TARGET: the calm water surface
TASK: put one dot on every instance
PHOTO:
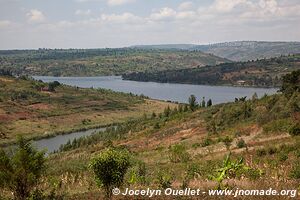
(162, 91)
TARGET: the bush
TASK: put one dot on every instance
(21, 172)
(241, 143)
(178, 153)
(282, 156)
(272, 150)
(206, 142)
(295, 173)
(295, 129)
(261, 152)
(110, 168)
(164, 179)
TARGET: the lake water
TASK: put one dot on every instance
(162, 91)
(52, 144)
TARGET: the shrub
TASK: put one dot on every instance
(295, 173)
(206, 142)
(241, 143)
(110, 168)
(272, 150)
(164, 179)
(178, 153)
(282, 156)
(295, 129)
(21, 172)
(261, 152)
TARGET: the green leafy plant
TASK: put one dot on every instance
(178, 153)
(21, 172)
(110, 168)
(230, 169)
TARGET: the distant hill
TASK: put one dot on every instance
(260, 73)
(239, 50)
(166, 46)
(250, 50)
(97, 62)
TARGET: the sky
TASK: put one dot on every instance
(31, 24)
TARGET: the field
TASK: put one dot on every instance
(28, 108)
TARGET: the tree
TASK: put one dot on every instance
(209, 103)
(203, 104)
(254, 97)
(53, 85)
(21, 172)
(110, 168)
(167, 112)
(192, 102)
(290, 83)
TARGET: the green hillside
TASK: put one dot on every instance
(260, 73)
(35, 109)
(97, 62)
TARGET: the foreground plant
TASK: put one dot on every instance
(230, 169)
(110, 167)
(20, 172)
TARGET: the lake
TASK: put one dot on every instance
(162, 91)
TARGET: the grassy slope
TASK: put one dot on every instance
(101, 61)
(26, 110)
(263, 126)
(266, 72)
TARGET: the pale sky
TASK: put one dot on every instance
(117, 23)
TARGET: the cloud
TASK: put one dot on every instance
(83, 12)
(35, 16)
(163, 14)
(226, 5)
(122, 18)
(118, 2)
(188, 5)
(109, 2)
(4, 23)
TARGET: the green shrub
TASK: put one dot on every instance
(241, 143)
(178, 153)
(110, 168)
(206, 142)
(21, 172)
(295, 173)
(282, 156)
(164, 179)
(261, 152)
(295, 129)
(272, 150)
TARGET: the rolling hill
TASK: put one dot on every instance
(260, 73)
(97, 62)
(239, 50)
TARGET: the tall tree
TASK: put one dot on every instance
(192, 102)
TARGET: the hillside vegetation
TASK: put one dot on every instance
(249, 144)
(96, 62)
(239, 50)
(35, 109)
(259, 73)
